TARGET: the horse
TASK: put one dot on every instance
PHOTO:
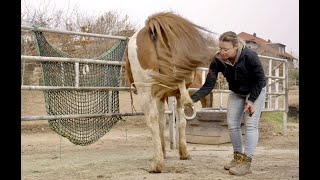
(162, 58)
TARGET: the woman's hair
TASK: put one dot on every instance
(232, 37)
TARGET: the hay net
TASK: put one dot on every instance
(81, 131)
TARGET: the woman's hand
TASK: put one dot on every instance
(249, 107)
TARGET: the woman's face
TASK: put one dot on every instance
(227, 50)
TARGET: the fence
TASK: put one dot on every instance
(277, 83)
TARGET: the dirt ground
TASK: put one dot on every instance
(125, 152)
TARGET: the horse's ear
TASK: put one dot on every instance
(153, 35)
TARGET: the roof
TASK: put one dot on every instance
(277, 43)
(249, 37)
(264, 45)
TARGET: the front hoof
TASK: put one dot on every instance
(189, 111)
(186, 158)
(154, 170)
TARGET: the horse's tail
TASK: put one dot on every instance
(128, 72)
(180, 47)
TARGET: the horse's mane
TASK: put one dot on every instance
(180, 47)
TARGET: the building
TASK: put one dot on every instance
(268, 48)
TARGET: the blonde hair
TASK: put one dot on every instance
(235, 40)
(232, 37)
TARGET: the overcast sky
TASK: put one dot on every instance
(277, 20)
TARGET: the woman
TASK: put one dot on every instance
(244, 73)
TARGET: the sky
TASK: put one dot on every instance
(277, 20)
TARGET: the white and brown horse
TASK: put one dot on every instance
(162, 59)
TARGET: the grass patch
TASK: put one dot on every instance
(273, 121)
(273, 117)
(276, 117)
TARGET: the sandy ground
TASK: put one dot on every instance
(125, 152)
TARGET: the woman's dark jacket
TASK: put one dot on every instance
(245, 77)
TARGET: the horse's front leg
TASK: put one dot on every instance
(150, 108)
(181, 122)
(186, 101)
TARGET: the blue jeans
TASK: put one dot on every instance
(235, 110)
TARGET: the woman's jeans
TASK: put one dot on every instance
(236, 103)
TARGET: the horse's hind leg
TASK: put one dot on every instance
(162, 126)
(150, 108)
(181, 122)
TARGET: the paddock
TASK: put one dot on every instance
(123, 151)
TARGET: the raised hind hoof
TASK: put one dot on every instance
(186, 158)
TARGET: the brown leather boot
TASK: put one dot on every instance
(243, 165)
(233, 161)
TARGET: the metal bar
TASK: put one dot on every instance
(204, 110)
(76, 68)
(227, 91)
(210, 110)
(172, 122)
(62, 74)
(73, 32)
(31, 118)
(273, 58)
(277, 66)
(275, 81)
(273, 110)
(276, 93)
(63, 59)
(67, 88)
(109, 101)
(275, 77)
(285, 99)
(23, 70)
(213, 90)
(277, 89)
(269, 84)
